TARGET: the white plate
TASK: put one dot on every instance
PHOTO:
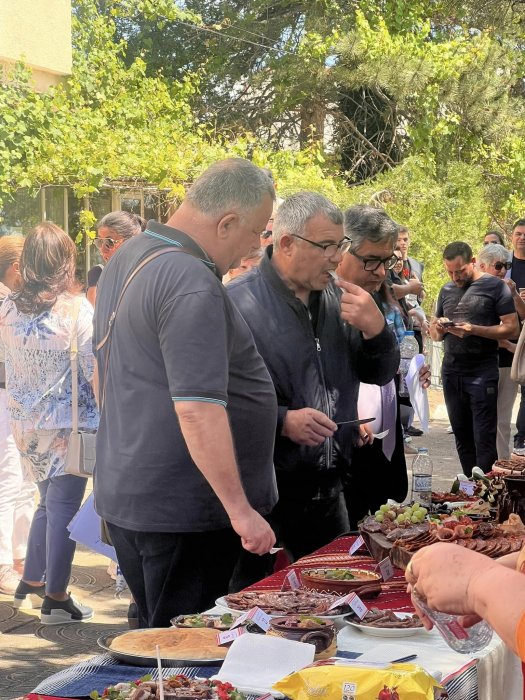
(221, 602)
(386, 631)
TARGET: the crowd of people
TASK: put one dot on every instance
(227, 415)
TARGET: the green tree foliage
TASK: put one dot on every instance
(423, 101)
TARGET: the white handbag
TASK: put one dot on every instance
(81, 451)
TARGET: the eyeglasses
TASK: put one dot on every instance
(500, 265)
(329, 249)
(105, 243)
(373, 264)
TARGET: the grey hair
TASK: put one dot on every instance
(123, 223)
(364, 223)
(297, 210)
(493, 252)
(233, 183)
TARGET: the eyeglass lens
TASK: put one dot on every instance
(104, 242)
(373, 265)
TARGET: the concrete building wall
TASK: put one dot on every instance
(39, 33)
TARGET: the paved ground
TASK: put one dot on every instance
(29, 652)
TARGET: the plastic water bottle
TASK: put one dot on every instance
(408, 349)
(422, 470)
(464, 640)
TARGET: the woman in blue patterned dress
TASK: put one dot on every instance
(37, 324)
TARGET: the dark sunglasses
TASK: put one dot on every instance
(500, 265)
(104, 243)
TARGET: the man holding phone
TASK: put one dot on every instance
(474, 311)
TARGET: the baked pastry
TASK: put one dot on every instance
(199, 643)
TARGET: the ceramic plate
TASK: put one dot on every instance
(221, 602)
(150, 661)
(385, 631)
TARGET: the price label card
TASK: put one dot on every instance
(229, 635)
(291, 581)
(256, 615)
(358, 606)
(260, 618)
(355, 603)
(359, 542)
(386, 569)
(467, 487)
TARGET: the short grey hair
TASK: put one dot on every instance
(363, 223)
(233, 183)
(124, 223)
(493, 252)
(294, 213)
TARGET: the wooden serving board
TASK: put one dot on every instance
(378, 545)
(400, 557)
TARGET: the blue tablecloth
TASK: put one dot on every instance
(101, 671)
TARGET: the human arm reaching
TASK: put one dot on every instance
(459, 581)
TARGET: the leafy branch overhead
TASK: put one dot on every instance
(415, 105)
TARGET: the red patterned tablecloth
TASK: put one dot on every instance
(336, 553)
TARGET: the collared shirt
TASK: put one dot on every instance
(176, 337)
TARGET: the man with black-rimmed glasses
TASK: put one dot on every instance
(319, 339)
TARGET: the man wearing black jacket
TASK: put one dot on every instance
(319, 339)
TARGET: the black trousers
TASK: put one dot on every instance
(472, 410)
(301, 524)
(373, 479)
(171, 573)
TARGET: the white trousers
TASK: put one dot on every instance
(507, 391)
(17, 497)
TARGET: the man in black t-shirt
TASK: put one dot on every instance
(184, 469)
(517, 275)
(474, 311)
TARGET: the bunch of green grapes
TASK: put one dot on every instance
(401, 515)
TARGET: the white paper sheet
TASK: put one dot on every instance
(418, 395)
(369, 404)
(255, 662)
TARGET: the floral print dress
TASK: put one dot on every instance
(36, 352)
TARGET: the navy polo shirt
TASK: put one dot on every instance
(177, 337)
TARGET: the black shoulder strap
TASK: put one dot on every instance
(111, 321)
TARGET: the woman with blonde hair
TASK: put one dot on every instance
(37, 325)
(16, 494)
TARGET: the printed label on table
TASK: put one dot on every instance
(356, 545)
(358, 606)
(229, 635)
(386, 569)
(457, 630)
(256, 615)
(355, 603)
(291, 581)
(467, 487)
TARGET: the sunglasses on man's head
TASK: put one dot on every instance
(500, 265)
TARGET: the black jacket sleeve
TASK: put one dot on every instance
(378, 358)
